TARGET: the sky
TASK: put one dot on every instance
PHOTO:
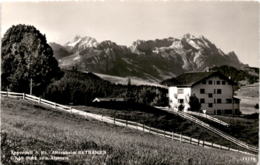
(232, 26)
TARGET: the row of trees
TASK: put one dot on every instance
(82, 88)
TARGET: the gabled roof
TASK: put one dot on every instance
(191, 78)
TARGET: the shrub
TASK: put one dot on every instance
(194, 103)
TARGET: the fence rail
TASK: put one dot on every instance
(208, 117)
(124, 123)
(212, 129)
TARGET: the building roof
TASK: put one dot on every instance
(191, 78)
(107, 99)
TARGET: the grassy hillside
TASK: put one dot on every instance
(156, 118)
(124, 80)
(249, 97)
(246, 76)
(243, 128)
(32, 127)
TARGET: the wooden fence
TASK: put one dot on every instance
(212, 129)
(123, 123)
(209, 118)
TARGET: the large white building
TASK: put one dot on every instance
(214, 91)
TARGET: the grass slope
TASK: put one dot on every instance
(240, 127)
(124, 80)
(32, 127)
(156, 118)
(249, 97)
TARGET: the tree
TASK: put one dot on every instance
(194, 103)
(257, 106)
(181, 107)
(26, 55)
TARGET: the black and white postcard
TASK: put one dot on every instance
(121, 82)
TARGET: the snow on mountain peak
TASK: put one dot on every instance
(82, 42)
(188, 36)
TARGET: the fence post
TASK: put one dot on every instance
(190, 140)
(7, 93)
(23, 96)
(114, 121)
(39, 100)
(70, 110)
(55, 106)
(126, 123)
(203, 143)
(180, 138)
(172, 135)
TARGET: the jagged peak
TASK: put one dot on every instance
(188, 36)
(232, 53)
(85, 41)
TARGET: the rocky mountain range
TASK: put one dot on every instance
(152, 60)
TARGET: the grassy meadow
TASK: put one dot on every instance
(159, 119)
(29, 126)
(249, 97)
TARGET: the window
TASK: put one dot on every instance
(202, 91)
(210, 95)
(223, 82)
(228, 101)
(229, 83)
(203, 82)
(219, 101)
(210, 81)
(202, 101)
(214, 91)
(218, 82)
(210, 105)
(237, 111)
(219, 91)
(180, 100)
(180, 91)
(228, 111)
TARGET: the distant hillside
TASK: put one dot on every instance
(248, 75)
(242, 77)
(59, 51)
(80, 88)
(249, 97)
(126, 80)
(153, 60)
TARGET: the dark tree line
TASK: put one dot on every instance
(82, 88)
